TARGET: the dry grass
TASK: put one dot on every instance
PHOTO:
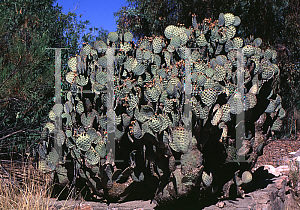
(23, 187)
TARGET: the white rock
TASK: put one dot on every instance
(296, 154)
(280, 170)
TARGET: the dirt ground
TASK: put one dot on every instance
(259, 196)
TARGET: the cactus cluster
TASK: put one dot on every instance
(151, 86)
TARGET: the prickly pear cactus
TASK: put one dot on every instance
(233, 110)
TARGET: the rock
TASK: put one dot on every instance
(220, 204)
(83, 206)
(276, 202)
(296, 154)
(281, 182)
(271, 196)
(280, 170)
(87, 205)
(290, 202)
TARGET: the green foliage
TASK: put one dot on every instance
(151, 17)
(27, 28)
(24, 36)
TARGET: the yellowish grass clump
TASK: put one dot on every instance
(23, 187)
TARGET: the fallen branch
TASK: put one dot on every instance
(11, 134)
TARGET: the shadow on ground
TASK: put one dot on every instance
(261, 179)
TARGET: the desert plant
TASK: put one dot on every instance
(293, 177)
(223, 81)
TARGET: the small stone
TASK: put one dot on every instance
(82, 206)
(220, 204)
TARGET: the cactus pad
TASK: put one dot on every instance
(207, 179)
(180, 140)
(83, 142)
